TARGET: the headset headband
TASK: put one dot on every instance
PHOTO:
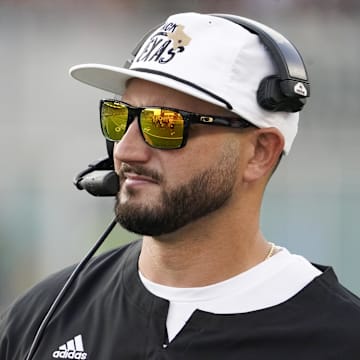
(288, 90)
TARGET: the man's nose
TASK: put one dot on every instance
(132, 147)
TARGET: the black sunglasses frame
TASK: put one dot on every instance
(188, 117)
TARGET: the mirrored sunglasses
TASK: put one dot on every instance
(160, 127)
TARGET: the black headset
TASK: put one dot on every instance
(285, 91)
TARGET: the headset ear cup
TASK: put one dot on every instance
(269, 94)
(271, 97)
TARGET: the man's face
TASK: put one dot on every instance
(162, 191)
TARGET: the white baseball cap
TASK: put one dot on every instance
(207, 57)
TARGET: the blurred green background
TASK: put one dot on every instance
(50, 130)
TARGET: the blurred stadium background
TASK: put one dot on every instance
(49, 130)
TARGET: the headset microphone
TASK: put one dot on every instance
(99, 178)
(99, 183)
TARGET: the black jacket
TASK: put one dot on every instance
(108, 314)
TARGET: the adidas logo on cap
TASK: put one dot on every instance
(73, 349)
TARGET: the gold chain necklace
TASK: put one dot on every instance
(271, 251)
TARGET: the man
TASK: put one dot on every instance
(194, 151)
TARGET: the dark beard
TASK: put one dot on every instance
(178, 207)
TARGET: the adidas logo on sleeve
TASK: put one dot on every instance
(73, 349)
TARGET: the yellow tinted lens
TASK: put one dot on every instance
(113, 120)
(162, 128)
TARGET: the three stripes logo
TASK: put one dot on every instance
(73, 349)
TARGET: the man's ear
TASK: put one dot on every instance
(267, 146)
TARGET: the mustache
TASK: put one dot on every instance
(139, 170)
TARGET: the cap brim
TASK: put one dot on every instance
(113, 79)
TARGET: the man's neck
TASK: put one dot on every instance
(203, 253)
